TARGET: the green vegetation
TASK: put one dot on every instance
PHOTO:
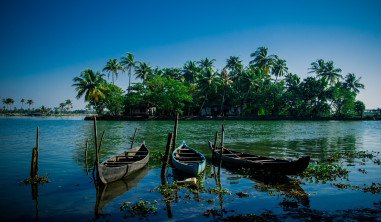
(264, 87)
(141, 208)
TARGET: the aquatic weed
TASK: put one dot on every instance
(324, 172)
(36, 180)
(141, 208)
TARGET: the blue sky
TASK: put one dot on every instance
(44, 44)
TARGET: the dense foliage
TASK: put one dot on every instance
(263, 87)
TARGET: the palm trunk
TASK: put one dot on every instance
(222, 103)
(129, 81)
(202, 105)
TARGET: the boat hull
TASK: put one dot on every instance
(264, 164)
(180, 162)
(112, 169)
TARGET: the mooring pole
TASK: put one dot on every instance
(214, 145)
(96, 141)
(164, 172)
(175, 131)
(34, 162)
(221, 149)
(86, 151)
(166, 159)
(133, 138)
(96, 161)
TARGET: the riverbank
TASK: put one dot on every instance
(258, 118)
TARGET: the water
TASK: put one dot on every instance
(71, 194)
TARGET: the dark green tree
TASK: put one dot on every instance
(359, 108)
(115, 100)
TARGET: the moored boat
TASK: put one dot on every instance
(188, 160)
(260, 163)
(123, 164)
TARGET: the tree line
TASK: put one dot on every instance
(263, 87)
(63, 108)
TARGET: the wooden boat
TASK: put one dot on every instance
(259, 163)
(123, 164)
(188, 160)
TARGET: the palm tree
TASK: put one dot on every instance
(317, 67)
(234, 64)
(262, 60)
(30, 103)
(326, 71)
(251, 79)
(143, 71)
(68, 105)
(331, 73)
(226, 82)
(8, 102)
(113, 67)
(206, 81)
(128, 62)
(279, 67)
(92, 86)
(22, 103)
(174, 73)
(62, 107)
(191, 71)
(352, 83)
(206, 63)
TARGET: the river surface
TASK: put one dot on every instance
(71, 194)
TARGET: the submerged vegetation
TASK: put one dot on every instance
(264, 87)
(36, 180)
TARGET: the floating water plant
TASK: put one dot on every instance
(325, 172)
(141, 208)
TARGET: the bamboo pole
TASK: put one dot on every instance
(221, 149)
(164, 172)
(166, 159)
(175, 131)
(86, 150)
(96, 141)
(214, 145)
(96, 161)
(86, 155)
(100, 143)
(133, 138)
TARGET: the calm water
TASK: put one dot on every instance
(71, 194)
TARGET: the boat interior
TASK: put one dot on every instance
(127, 157)
(186, 155)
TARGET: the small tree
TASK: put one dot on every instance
(115, 100)
(359, 108)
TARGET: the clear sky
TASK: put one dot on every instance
(44, 44)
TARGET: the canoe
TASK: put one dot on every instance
(188, 160)
(123, 164)
(259, 163)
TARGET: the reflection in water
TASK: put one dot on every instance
(275, 139)
(107, 192)
(293, 193)
(35, 197)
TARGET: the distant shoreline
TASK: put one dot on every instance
(254, 118)
(150, 118)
